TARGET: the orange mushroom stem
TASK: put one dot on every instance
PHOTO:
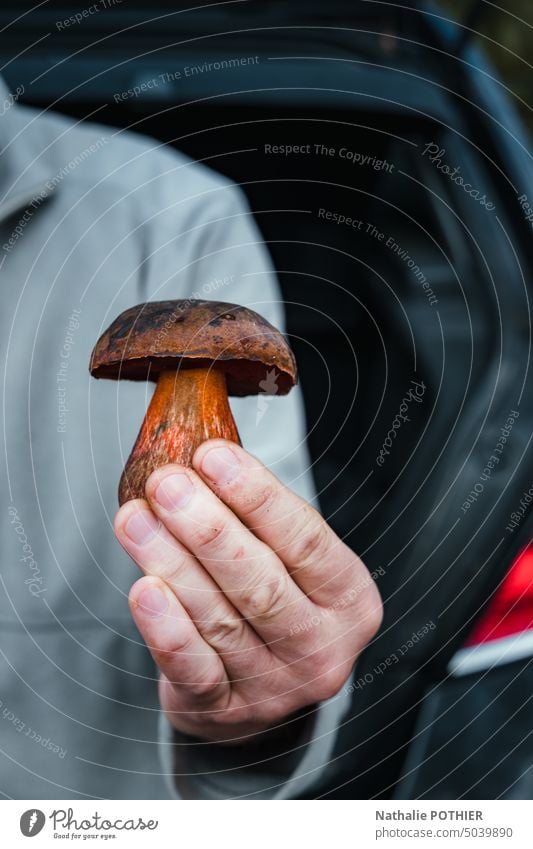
(188, 406)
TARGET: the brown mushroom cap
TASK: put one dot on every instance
(164, 335)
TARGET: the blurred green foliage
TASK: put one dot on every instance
(505, 31)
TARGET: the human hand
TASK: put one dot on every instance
(250, 605)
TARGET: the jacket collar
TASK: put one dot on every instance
(25, 172)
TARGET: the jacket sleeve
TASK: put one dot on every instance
(282, 765)
(218, 254)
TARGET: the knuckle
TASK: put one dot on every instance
(223, 632)
(205, 688)
(264, 600)
(331, 682)
(181, 645)
(210, 537)
(175, 570)
(258, 502)
(311, 541)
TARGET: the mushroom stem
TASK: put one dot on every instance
(187, 407)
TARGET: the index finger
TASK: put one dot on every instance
(318, 561)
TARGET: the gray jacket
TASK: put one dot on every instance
(93, 221)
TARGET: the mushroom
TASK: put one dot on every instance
(199, 352)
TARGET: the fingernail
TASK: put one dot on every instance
(141, 527)
(152, 602)
(221, 465)
(174, 492)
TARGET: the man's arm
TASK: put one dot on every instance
(261, 642)
(251, 606)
